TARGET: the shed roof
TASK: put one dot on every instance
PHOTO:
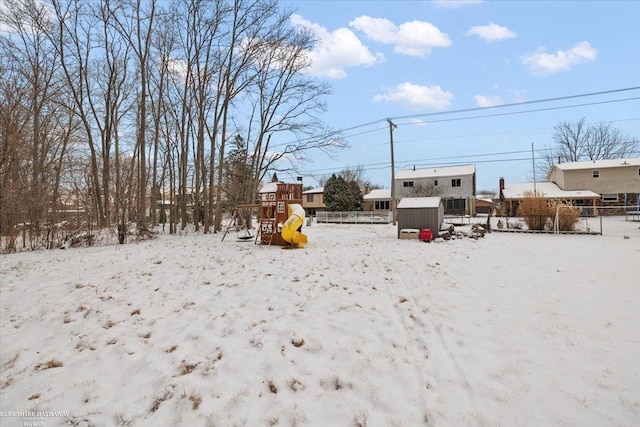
(548, 190)
(378, 194)
(436, 172)
(419, 202)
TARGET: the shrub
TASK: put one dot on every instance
(535, 210)
(568, 216)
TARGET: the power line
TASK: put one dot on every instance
(442, 138)
(381, 165)
(443, 161)
(528, 111)
(517, 104)
(400, 141)
(384, 165)
(338, 132)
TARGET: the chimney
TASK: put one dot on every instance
(501, 184)
(414, 167)
(559, 160)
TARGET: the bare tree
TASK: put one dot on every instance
(104, 98)
(236, 53)
(285, 101)
(134, 20)
(425, 190)
(12, 155)
(356, 174)
(578, 141)
(609, 142)
(163, 44)
(203, 25)
(70, 29)
(33, 116)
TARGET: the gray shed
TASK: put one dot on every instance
(419, 213)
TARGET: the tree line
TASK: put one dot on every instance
(111, 108)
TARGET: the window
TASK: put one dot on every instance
(455, 206)
(638, 171)
(309, 198)
(407, 184)
(596, 174)
(455, 182)
(609, 197)
(435, 183)
(382, 205)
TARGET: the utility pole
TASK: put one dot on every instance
(533, 160)
(393, 173)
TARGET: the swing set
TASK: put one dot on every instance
(238, 223)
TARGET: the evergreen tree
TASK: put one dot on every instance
(340, 195)
(238, 174)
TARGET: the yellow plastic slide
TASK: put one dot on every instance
(290, 227)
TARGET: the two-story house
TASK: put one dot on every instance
(312, 201)
(617, 180)
(456, 185)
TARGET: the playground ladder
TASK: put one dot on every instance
(267, 224)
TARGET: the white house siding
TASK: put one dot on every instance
(444, 177)
(444, 186)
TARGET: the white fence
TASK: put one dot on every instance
(355, 217)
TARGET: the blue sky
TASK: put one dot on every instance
(418, 62)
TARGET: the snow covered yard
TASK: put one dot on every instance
(357, 329)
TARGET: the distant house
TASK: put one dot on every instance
(377, 200)
(617, 181)
(312, 201)
(485, 206)
(511, 194)
(456, 185)
(419, 213)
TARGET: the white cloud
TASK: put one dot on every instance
(416, 96)
(177, 67)
(488, 101)
(541, 63)
(415, 38)
(15, 25)
(454, 4)
(4, 9)
(418, 122)
(335, 50)
(492, 32)
(519, 95)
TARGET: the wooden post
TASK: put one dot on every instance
(393, 174)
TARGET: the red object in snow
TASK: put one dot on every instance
(426, 235)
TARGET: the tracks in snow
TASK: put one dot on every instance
(427, 342)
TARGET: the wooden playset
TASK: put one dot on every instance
(275, 198)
